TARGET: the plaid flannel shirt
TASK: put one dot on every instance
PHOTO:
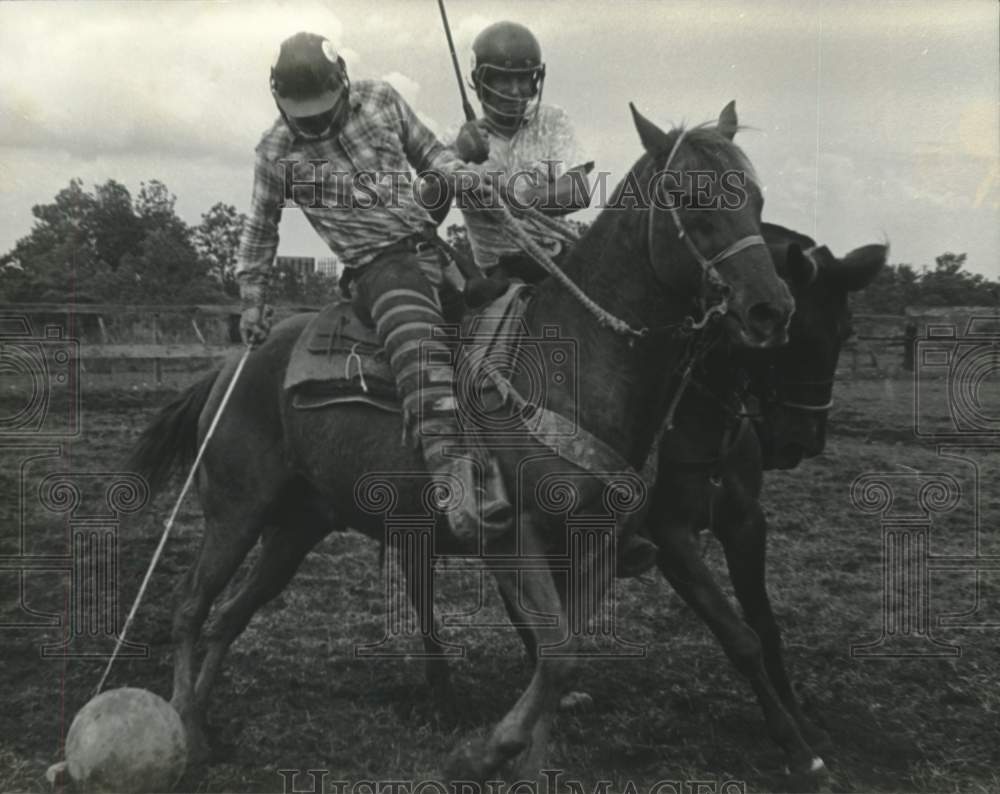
(356, 216)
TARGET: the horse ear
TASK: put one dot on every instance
(793, 265)
(728, 123)
(860, 267)
(654, 140)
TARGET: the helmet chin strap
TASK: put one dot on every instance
(500, 121)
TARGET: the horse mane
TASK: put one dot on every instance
(714, 146)
(703, 139)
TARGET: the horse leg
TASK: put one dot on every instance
(681, 563)
(523, 630)
(418, 570)
(528, 718)
(224, 546)
(745, 545)
(283, 551)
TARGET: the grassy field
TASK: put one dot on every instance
(293, 695)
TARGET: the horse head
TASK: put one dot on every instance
(795, 383)
(704, 210)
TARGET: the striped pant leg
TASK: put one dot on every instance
(404, 306)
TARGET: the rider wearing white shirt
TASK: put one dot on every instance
(525, 137)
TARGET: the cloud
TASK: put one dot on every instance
(120, 78)
(390, 31)
(409, 89)
(406, 86)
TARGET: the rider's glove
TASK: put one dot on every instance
(257, 316)
(471, 143)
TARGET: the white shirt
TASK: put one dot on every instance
(549, 137)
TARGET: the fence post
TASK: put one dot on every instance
(157, 370)
(909, 339)
(104, 341)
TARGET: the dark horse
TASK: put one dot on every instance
(710, 467)
(291, 477)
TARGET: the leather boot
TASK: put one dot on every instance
(484, 511)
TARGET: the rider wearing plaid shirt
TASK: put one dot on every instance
(342, 154)
(382, 137)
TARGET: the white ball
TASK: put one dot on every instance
(126, 740)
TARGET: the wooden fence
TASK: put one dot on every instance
(110, 333)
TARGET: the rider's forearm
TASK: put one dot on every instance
(560, 197)
(253, 273)
(259, 240)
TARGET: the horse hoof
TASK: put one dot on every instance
(199, 749)
(511, 747)
(58, 775)
(808, 778)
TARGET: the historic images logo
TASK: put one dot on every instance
(40, 409)
(314, 184)
(316, 781)
(964, 369)
(504, 385)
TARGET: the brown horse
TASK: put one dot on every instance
(292, 476)
(710, 468)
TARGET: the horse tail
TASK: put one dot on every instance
(171, 441)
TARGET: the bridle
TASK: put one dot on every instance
(807, 407)
(710, 274)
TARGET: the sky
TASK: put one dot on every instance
(866, 121)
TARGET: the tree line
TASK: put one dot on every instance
(107, 246)
(946, 284)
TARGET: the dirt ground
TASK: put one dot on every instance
(294, 696)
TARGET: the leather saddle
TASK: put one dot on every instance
(338, 359)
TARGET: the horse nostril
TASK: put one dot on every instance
(766, 319)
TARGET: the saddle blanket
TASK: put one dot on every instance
(338, 359)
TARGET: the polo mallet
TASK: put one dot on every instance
(470, 114)
(168, 525)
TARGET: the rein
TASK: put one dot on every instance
(606, 319)
(808, 407)
(733, 431)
